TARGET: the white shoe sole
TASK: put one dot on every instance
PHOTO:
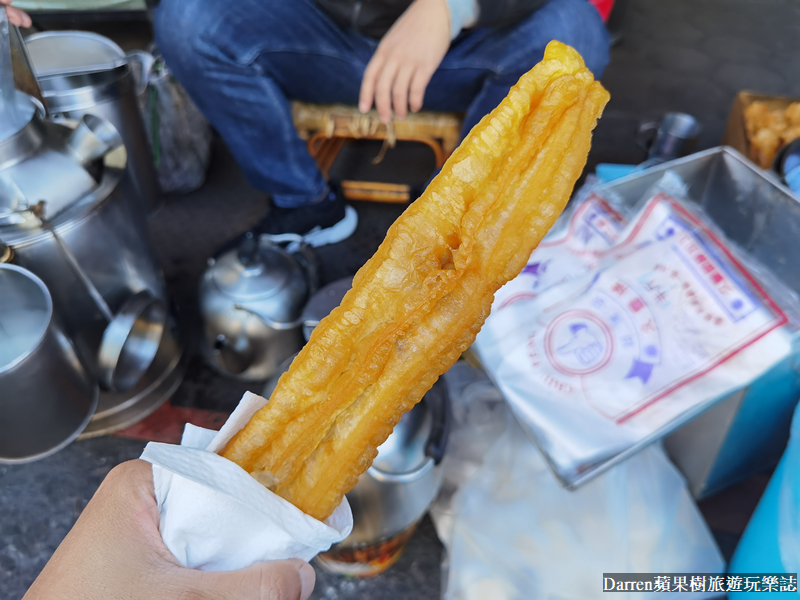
(322, 237)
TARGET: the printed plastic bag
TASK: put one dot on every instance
(517, 534)
(667, 322)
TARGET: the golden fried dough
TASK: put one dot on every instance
(770, 129)
(792, 114)
(419, 302)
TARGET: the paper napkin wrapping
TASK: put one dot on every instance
(216, 517)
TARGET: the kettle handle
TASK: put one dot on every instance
(438, 399)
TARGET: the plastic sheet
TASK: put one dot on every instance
(512, 532)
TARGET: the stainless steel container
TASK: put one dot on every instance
(746, 432)
(89, 221)
(46, 397)
(85, 73)
(394, 494)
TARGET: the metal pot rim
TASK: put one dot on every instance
(35, 279)
(112, 85)
(405, 477)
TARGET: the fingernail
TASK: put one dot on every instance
(307, 579)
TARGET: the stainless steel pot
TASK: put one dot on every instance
(46, 397)
(90, 246)
(393, 495)
(85, 242)
(251, 299)
(84, 73)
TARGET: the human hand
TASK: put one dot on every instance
(16, 16)
(406, 59)
(115, 551)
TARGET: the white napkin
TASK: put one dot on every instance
(216, 517)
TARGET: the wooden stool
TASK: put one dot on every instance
(326, 127)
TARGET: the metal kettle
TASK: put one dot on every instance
(251, 299)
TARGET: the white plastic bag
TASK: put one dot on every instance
(518, 535)
(667, 323)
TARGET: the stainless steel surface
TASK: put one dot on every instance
(92, 139)
(404, 479)
(399, 487)
(59, 53)
(46, 397)
(36, 149)
(102, 233)
(754, 211)
(116, 411)
(131, 337)
(323, 302)
(11, 117)
(96, 80)
(251, 300)
(24, 77)
(131, 341)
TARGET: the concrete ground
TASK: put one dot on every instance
(682, 55)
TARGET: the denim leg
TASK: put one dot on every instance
(241, 62)
(483, 64)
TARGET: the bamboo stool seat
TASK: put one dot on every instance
(326, 127)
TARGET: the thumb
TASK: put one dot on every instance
(274, 580)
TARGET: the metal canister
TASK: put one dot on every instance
(46, 397)
(395, 493)
(85, 73)
(77, 230)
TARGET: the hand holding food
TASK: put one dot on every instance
(421, 300)
(115, 551)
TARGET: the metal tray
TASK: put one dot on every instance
(751, 207)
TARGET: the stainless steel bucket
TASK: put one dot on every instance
(395, 493)
(46, 397)
(107, 237)
(85, 73)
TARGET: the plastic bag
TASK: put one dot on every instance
(664, 324)
(517, 534)
(479, 417)
(180, 136)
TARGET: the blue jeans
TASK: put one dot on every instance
(242, 61)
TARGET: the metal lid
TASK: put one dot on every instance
(61, 53)
(265, 275)
(323, 302)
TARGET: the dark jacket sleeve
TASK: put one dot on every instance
(499, 13)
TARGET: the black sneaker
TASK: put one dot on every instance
(327, 222)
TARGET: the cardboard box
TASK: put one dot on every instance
(735, 132)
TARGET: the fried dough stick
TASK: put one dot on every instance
(420, 301)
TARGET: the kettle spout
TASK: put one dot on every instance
(93, 138)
